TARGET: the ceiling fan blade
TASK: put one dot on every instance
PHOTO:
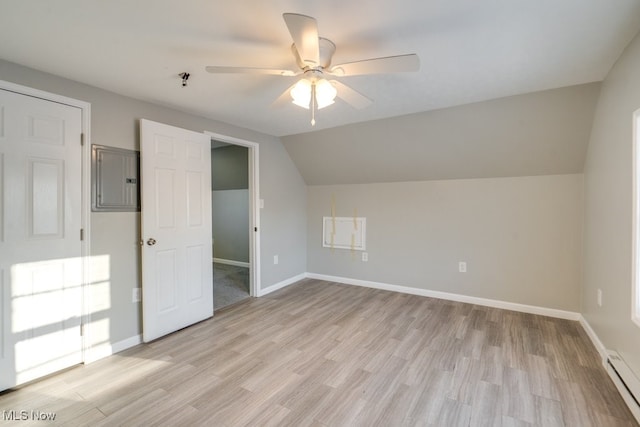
(304, 32)
(250, 70)
(351, 96)
(389, 64)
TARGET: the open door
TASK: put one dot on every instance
(177, 283)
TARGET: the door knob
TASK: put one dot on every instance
(151, 241)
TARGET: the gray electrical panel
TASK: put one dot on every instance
(115, 178)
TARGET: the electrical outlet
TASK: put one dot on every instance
(365, 257)
(136, 295)
(275, 259)
(599, 297)
(462, 267)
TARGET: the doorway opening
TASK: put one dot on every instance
(230, 223)
(234, 201)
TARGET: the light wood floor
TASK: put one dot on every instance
(323, 354)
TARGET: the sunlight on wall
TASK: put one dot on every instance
(98, 301)
(99, 298)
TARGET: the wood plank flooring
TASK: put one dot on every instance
(324, 354)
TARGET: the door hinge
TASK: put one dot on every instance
(255, 229)
(81, 329)
(82, 139)
(82, 234)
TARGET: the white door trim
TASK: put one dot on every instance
(254, 205)
(85, 107)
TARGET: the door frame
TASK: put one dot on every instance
(254, 206)
(85, 214)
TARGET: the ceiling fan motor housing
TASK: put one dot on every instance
(327, 49)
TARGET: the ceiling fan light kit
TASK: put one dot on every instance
(303, 91)
(313, 94)
(325, 93)
(313, 56)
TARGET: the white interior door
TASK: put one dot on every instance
(177, 278)
(40, 247)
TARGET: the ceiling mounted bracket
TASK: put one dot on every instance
(185, 76)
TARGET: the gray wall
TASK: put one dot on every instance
(230, 202)
(230, 168)
(230, 212)
(285, 212)
(541, 133)
(115, 122)
(521, 237)
(608, 210)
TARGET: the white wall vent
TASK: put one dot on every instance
(625, 380)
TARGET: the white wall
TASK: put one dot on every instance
(521, 237)
(115, 122)
(608, 209)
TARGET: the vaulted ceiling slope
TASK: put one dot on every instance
(542, 133)
(470, 50)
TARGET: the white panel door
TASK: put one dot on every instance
(177, 277)
(40, 248)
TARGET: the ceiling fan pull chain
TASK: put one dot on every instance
(313, 104)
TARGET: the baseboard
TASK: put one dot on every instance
(619, 372)
(543, 311)
(594, 339)
(232, 262)
(282, 284)
(105, 350)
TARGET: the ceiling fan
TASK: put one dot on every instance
(313, 56)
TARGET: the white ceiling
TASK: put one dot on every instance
(470, 50)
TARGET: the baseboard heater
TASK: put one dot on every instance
(625, 380)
